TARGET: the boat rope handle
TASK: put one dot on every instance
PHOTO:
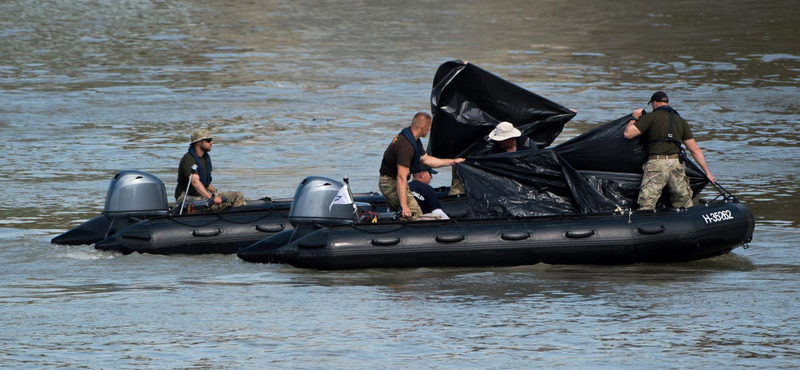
(271, 229)
(385, 242)
(214, 232)
(723, 192)
(110, 226)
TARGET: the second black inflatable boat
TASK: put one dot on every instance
(136, 218)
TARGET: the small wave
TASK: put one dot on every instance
(167, 37)
(768, 58)
(87, 255)
(93, 39)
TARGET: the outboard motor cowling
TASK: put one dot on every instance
(132, 197)
(135, 194)
(312, 209)
(312, 203)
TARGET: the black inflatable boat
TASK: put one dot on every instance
(134, 197)
(137, 218)
(567, 205)
(670, 236)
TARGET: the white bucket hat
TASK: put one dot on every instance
(504, 131)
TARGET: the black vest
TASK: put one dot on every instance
(417, 143)
(203, 171)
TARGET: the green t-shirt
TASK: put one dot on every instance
(655, 125)
(184, 170)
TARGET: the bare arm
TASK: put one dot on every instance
(631, 131)
(434, 162)
(691, 144)
(198, 186)
(402, 188)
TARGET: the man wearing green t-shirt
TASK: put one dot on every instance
(665, 131)
(200, 179)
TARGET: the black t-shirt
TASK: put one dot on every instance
(655, 125)
(425, 196)
(184, 170)
(400, 151)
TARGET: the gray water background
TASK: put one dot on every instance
(295, 88)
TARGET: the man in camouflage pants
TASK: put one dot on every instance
(665, 131)
(200, 180)
(402, 157)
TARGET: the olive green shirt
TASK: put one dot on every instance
(655, 125)
(184, 171)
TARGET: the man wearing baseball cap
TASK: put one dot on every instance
(424, 194)
(665, 131)
(201, 187)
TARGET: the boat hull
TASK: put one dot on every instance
(202, 234)
(642, 237)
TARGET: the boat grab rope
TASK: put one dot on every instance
(364, 230)
(410, 224)
(221, 217)
(724, 193)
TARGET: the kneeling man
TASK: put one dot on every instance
(425, 195)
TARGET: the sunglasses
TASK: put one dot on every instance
(209, 140)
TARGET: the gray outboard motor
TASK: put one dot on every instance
(135, 194)
(311, 210)
(132, 196)
(312, 203)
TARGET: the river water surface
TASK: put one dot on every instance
(296, 88)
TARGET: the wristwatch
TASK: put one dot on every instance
(212, 196)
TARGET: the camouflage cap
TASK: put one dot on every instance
(200, 134)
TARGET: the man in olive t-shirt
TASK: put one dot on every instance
(664, 167)
(402, 155)
(201, 187)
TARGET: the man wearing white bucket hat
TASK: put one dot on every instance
(507, 139)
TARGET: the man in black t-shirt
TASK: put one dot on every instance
(404, 154)
(425, 195)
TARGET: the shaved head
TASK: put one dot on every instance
(420, 119)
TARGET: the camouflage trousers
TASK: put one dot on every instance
(665, 172)
(456, 187)
(388, 187)
(235, 199)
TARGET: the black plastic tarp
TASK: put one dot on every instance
(598, 171)
(529, 183)
(467, 102)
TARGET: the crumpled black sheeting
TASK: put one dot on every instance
(467, 102)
